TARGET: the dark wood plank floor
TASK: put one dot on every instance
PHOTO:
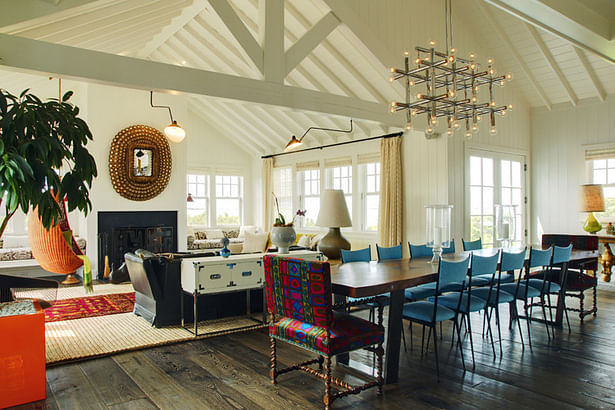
(574, 370)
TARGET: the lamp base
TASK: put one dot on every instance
(332, 244)
(592, 225)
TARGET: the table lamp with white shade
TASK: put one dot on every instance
(334, 215)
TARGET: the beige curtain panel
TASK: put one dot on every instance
(390, 222)
(267, 178)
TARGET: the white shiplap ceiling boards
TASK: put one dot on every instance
(329, 65)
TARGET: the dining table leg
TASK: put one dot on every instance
(393, 338)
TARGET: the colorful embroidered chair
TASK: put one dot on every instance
(301, 313)
(50, 247)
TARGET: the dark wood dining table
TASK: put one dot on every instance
(363, 279)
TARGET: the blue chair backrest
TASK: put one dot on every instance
(472, 245)
(452, 272)
(539, 257)
(512, 261)
(561, 254)
(419, 251)
(450, 249)
(362, 255)
(484, 265)
(388, 253)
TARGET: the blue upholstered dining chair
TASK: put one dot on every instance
(472, 245)
(522, 290)
(429, 313)
(450, 249)
(464, 302)
(385, 254)
(361, 255)
(299, 303)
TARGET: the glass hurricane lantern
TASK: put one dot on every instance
(438, 229)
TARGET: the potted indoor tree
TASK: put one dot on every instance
(283, 233)
(43, 157)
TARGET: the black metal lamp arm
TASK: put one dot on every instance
(151, 102)
(326, 129)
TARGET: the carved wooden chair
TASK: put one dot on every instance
(301, 313)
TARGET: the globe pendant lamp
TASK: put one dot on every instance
(173, 131)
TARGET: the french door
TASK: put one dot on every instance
(494, 178)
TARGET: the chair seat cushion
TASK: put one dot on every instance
(450, 300)
(483, 293)
(512, 288)
(549, 287)
(480, 280)
(420, 292)
(423, 311)
(348, 333)
(506, 278)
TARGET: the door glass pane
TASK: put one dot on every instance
(487, 171)
(516, 174)
(505, 173)
(475, 170)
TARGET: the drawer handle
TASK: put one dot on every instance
(231, 265)
(248, 273)
(231, 284)
(260, 263)
(215, 276)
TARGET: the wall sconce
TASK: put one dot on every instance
(295, 143)
(173, 132)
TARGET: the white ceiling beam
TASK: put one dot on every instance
(546, 53)
(596, 83)
(511, 47)
(186, 16)
(71, 62)
(567, 19)
(273, 40)
(310, 40)
(240, 32)
(16, 12)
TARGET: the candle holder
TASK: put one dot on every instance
(505, 217)
(438, 229)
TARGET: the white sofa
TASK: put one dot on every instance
(203, 237)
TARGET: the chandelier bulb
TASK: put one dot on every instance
(473, 66)
(413, 112)
(492, 103)
(476, 88)
(392, 109)
(408, 125)
(493, 131)
(473, 98)
(451, 93)
(392, 69)
(455, 124)
(472, 55)
(434, 121)
(411, 83)
(417, 61)
(429, 131)
(449, 132)
(432, 43)
(510, 106)
(474, 128)
(502, 83)
(451, 58)
(503, 113)
(406, 53)
(391, 79)
(468, 135)
(479, 118)
(490, 60)
(491, 71)
(509, 76)
(453, 49)
(427, 58)
(419, 96)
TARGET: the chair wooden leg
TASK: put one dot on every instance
(379, 354)
(273, 360)
(595, 304)
(327, 398)
(581, 306)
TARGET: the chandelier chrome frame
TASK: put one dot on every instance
(452, 86)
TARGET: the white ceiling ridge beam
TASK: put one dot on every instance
(214, 122)
(187, 14)
(272, 31)
(233, 128)
(504, 37)
(72, 62)
(596, 83)
(574, 100)
(239, 30)
(557, 18)
(310, 40)
(370, 45)
(20, 15)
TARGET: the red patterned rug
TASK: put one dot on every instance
(90, 306)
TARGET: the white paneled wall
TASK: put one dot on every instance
(559, 139)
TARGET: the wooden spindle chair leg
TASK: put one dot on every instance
(327, 398)
(273, 360)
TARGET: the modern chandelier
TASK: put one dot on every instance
(451, 87)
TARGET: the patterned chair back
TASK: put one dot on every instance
(385, 254)
(579, 242)
(299, 289)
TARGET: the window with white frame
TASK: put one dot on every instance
(340, 177)
(603, 172)
(229, 197)
(198, 191)
(308, 184)
(283, 190)
(370, 195)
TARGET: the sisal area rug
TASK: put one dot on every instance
(90, 306)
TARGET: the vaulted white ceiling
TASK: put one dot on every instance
(328, 47)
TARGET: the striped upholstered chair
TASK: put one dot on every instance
(301, 313)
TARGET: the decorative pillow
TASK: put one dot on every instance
(214, 234)
(200, 235)
(233, 233)
(305, 241)
(255, 243)
(247, 228)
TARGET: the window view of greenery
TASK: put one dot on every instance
(229, 192)
(311, 196)
(604, 173)
(372, 195)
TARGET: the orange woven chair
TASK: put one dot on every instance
(51, 250)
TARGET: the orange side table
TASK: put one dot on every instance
(22, 358)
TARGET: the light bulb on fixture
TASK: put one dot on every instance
(493, 131)
(173, 131)
(455, 124)
(429, 131)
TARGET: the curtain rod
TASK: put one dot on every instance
(397, 134)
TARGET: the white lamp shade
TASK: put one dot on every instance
(333, 210)
(174, 132)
